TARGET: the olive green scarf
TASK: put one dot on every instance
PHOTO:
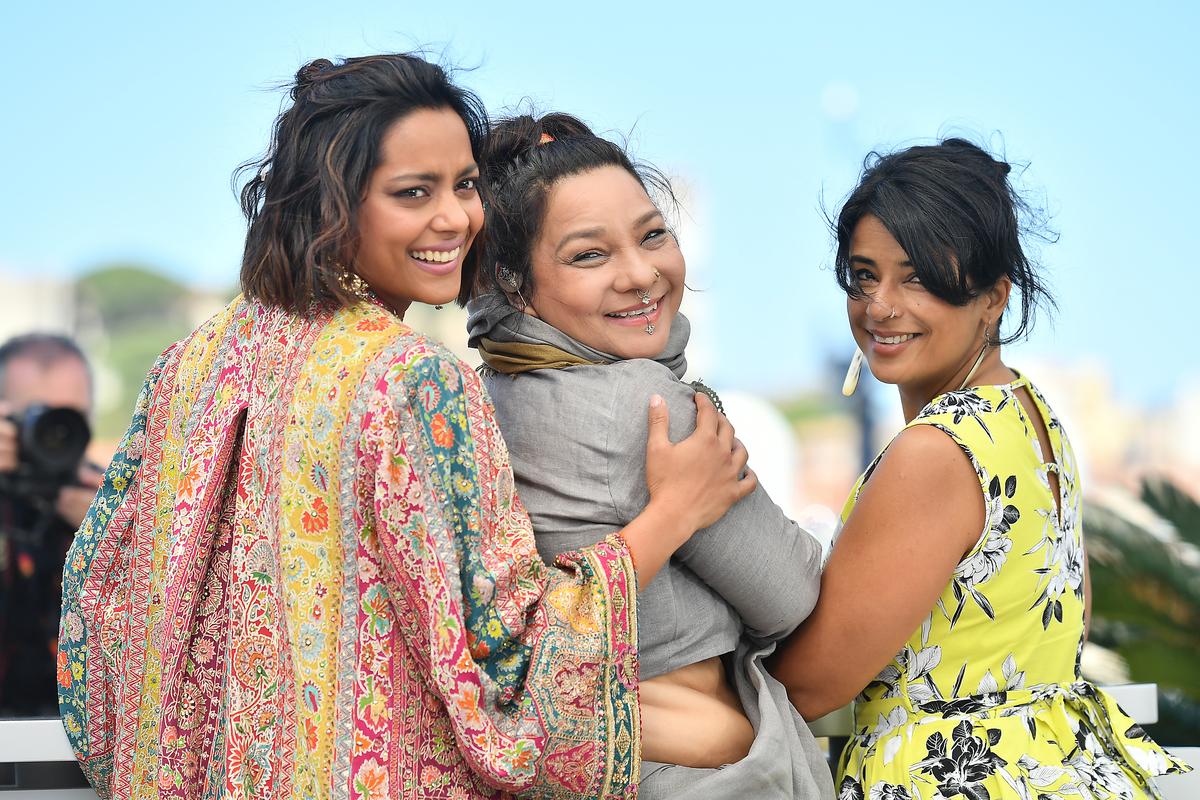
(512, 358)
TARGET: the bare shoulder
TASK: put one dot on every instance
(925, 453)
(924, 484)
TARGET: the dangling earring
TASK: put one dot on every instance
(987, 342)
(352, 284)
(851, 382)
(510, 282)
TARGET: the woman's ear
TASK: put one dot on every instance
(996, 298)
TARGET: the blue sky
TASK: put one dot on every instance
(124, 121)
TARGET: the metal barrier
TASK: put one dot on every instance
(43, 765)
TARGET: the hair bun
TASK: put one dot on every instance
(308, 74)
(563, 126)
(1002, 167)
(515, 138)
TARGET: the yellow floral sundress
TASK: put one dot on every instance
(985, 700)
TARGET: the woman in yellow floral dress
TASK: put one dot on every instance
(957, 591)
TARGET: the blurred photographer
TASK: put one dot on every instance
(46, 486)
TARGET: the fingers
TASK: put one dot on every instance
(741, 456)
(725, 432)
(706, 415)
(659, 420)
(747, 484)
(8, 445)
(90, 475)
(73, 503)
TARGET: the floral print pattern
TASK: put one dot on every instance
(985, 700)
(307, 575)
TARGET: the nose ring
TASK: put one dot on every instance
(893, 314)
(644, 296)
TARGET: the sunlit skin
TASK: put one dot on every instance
(601, 241)
(922, 506)
(422, 199)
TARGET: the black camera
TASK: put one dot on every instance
(50, 447)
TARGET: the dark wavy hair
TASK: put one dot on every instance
(952, 209)
(303, 196)
(523, 158)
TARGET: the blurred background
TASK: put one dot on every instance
(123, 123)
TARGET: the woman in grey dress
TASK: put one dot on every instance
(576, 317)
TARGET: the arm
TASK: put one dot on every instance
(691, 485)
(502, 639)
(921, 510)
(761, 563)
(94, 595)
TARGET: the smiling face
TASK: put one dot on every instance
(602, 244)
(910, 337)
(421, 211)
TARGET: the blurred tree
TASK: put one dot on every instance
(128, 314)
(1144, 558)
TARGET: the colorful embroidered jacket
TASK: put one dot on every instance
(307, 575)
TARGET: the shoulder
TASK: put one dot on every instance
(926, 457)
(413, 365)
(925, 480)
(633, 382)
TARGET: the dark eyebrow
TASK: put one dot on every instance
(586, 233)
(870, 263)
(644, 218)
(430, 177)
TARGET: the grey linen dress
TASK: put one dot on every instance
(577, 441)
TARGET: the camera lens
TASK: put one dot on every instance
(54, 439)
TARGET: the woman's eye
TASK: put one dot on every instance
(863, 276)
(656, 235)
(914, 279)
(468, 185)
(587, 255)
(409, 194)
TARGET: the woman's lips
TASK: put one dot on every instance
(891, 344)
(437, 261)
(638, 317)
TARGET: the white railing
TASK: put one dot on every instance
(30, 741)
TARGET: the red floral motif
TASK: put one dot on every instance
(317, 519)
(442, 435)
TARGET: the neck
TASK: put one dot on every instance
(991, 370)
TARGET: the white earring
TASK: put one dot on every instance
(851, 381)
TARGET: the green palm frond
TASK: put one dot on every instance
(1145, 572)
(1175, 506)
